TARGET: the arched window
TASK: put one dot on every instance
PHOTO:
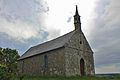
(45, 61)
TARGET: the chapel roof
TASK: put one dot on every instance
(47, 46)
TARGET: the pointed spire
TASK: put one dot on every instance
(77, 21)
(76, 13)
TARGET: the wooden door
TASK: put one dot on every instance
(82, 65)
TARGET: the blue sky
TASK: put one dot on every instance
(25, 23)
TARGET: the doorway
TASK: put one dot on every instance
(82, 67)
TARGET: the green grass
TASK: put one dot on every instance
(66, 78)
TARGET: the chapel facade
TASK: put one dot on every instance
(67, 55)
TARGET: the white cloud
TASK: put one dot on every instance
(29, 14)
(53, 33)
(22, 19)
(61, 10)
(18, 30)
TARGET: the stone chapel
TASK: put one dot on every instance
(67, 55)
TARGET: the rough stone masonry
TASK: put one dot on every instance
(67, 55)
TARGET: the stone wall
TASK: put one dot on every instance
(35, 65)
(62, 61)
(78, 48)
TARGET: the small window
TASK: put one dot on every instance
(80, 42)
(45, 61)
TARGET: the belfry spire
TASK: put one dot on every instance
(77, 21)
(76, 13)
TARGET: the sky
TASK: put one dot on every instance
(25, 23)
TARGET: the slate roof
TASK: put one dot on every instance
(47, 46)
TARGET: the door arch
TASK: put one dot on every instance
(82, 67)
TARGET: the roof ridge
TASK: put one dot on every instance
(53, 39)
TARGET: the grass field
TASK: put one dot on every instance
(68, 78)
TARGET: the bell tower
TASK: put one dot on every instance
(77, 22)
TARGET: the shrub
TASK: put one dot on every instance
(3, 74)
